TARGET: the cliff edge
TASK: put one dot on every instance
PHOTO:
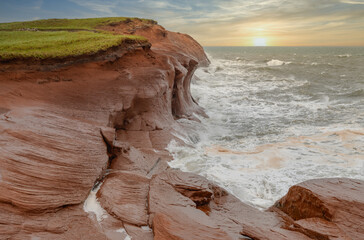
(82, 154)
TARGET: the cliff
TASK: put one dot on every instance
(82, 154)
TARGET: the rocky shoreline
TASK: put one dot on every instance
(104, 125)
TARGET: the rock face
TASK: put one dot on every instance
(47, 160)
(124, 195)
(103, 125)
(326, 208)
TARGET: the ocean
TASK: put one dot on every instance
(277, 116)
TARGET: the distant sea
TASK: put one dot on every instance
(277, 116)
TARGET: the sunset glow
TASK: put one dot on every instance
(260, 42)
(220, 23)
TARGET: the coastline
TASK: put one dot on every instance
(70, 128)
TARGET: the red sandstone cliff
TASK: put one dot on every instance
(107, 121)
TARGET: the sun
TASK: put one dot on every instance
(260, 42)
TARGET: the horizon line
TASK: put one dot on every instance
(287, 46)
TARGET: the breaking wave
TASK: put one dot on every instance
(270, 128)
(275, 62)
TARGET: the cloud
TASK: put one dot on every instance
(217, 22)
(352, 2)
(103, 7)
(166, 5)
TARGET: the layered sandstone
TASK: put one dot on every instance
(103, 124)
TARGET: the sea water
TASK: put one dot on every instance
(277, 116)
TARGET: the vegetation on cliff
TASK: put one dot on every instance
(69, 24)
(42, 45)
(60, 38)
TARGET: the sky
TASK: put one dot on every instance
(219, 22)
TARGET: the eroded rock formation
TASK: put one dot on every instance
(326, 208)
(103, 126)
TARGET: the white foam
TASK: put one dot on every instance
(344, 55)
(146, 228)
(275, 62)
(252, 145)
(314, 106)
(262, 175)
(122, 230)
(92, 205)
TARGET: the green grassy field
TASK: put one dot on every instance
(67, 24)
(60, 44)
(18, 40)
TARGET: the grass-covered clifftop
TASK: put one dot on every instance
(60, 38)
(69, 24)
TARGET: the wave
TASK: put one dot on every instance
(272, 125)
(275, 62)
(219, 68)
(261, 174)
(356, 93)
(344, 55)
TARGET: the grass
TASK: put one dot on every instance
(59, 44)
(68, 24)
(59, 38)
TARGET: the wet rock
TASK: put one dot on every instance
(188, 203)
(317, 228)
(241, 220)
(163, 195)
(124, 195)
(68, 223)
(330, 208)
(108, 135)
(57, 139)
(139, 233)
(190, 185)
(185, 224)
(48, 160)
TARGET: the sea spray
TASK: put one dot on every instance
(271, 127)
